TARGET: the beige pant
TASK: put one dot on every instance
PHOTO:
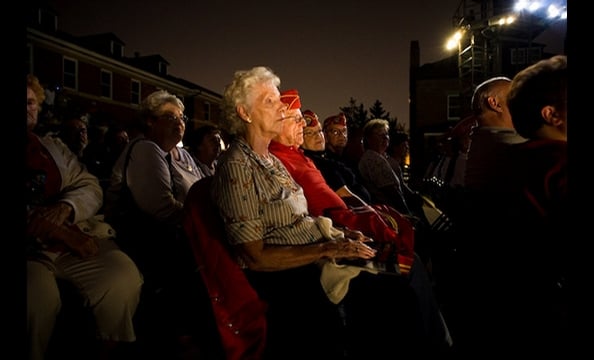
(110, 284)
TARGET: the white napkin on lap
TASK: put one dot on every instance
(335, 278)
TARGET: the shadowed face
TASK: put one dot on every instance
(210, 148)
(75, 135)
(379, 139)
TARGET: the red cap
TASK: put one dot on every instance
(311, 118)
(291, 98)
(339, 119)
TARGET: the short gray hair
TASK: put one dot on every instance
(152, 103)
(237, 93)
(370, 126)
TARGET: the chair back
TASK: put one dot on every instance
(239, 312)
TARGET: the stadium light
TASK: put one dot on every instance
(549, 9)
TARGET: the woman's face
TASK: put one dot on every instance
(313, 138)
(266, 111)
(169, 125)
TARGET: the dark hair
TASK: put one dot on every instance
(537, 86)
(196, 136)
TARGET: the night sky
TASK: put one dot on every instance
(330, 53)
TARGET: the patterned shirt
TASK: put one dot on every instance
(259, 200)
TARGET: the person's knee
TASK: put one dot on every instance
(128, 281)
(43, 294)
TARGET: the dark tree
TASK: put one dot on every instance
(355, 113)
(357, 116)
(377, 111)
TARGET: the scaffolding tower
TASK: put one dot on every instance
(481, 48)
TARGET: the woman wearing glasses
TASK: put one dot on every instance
(144, 201)
(149, 167)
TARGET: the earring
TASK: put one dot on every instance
(249, 121)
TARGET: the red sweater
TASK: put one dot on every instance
(319, 195)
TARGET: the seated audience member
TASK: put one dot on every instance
(282, 248)
(339, 146)
(205, 144)
(74, 134)
(144, 202)
(385, 187)
(380, 179)
(483, 197)
(533, 301)
(150, 180)
(396, 153)
(322, 200)
(336, 173)
(285, 146)
(490, 139)
(66, 242)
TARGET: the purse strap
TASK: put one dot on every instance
(127, 160)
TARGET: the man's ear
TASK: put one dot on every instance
(551, 116)
(494, 104)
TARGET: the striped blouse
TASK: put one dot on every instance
(259, 200)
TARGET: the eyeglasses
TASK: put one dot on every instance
(313, 132)
(298, 118)
(172, 118)
(337, 132)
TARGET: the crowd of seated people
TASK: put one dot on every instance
(286, 147)
(281, 246)
(273, 190)
(67, 244)
(73, 225)
(144, 202)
